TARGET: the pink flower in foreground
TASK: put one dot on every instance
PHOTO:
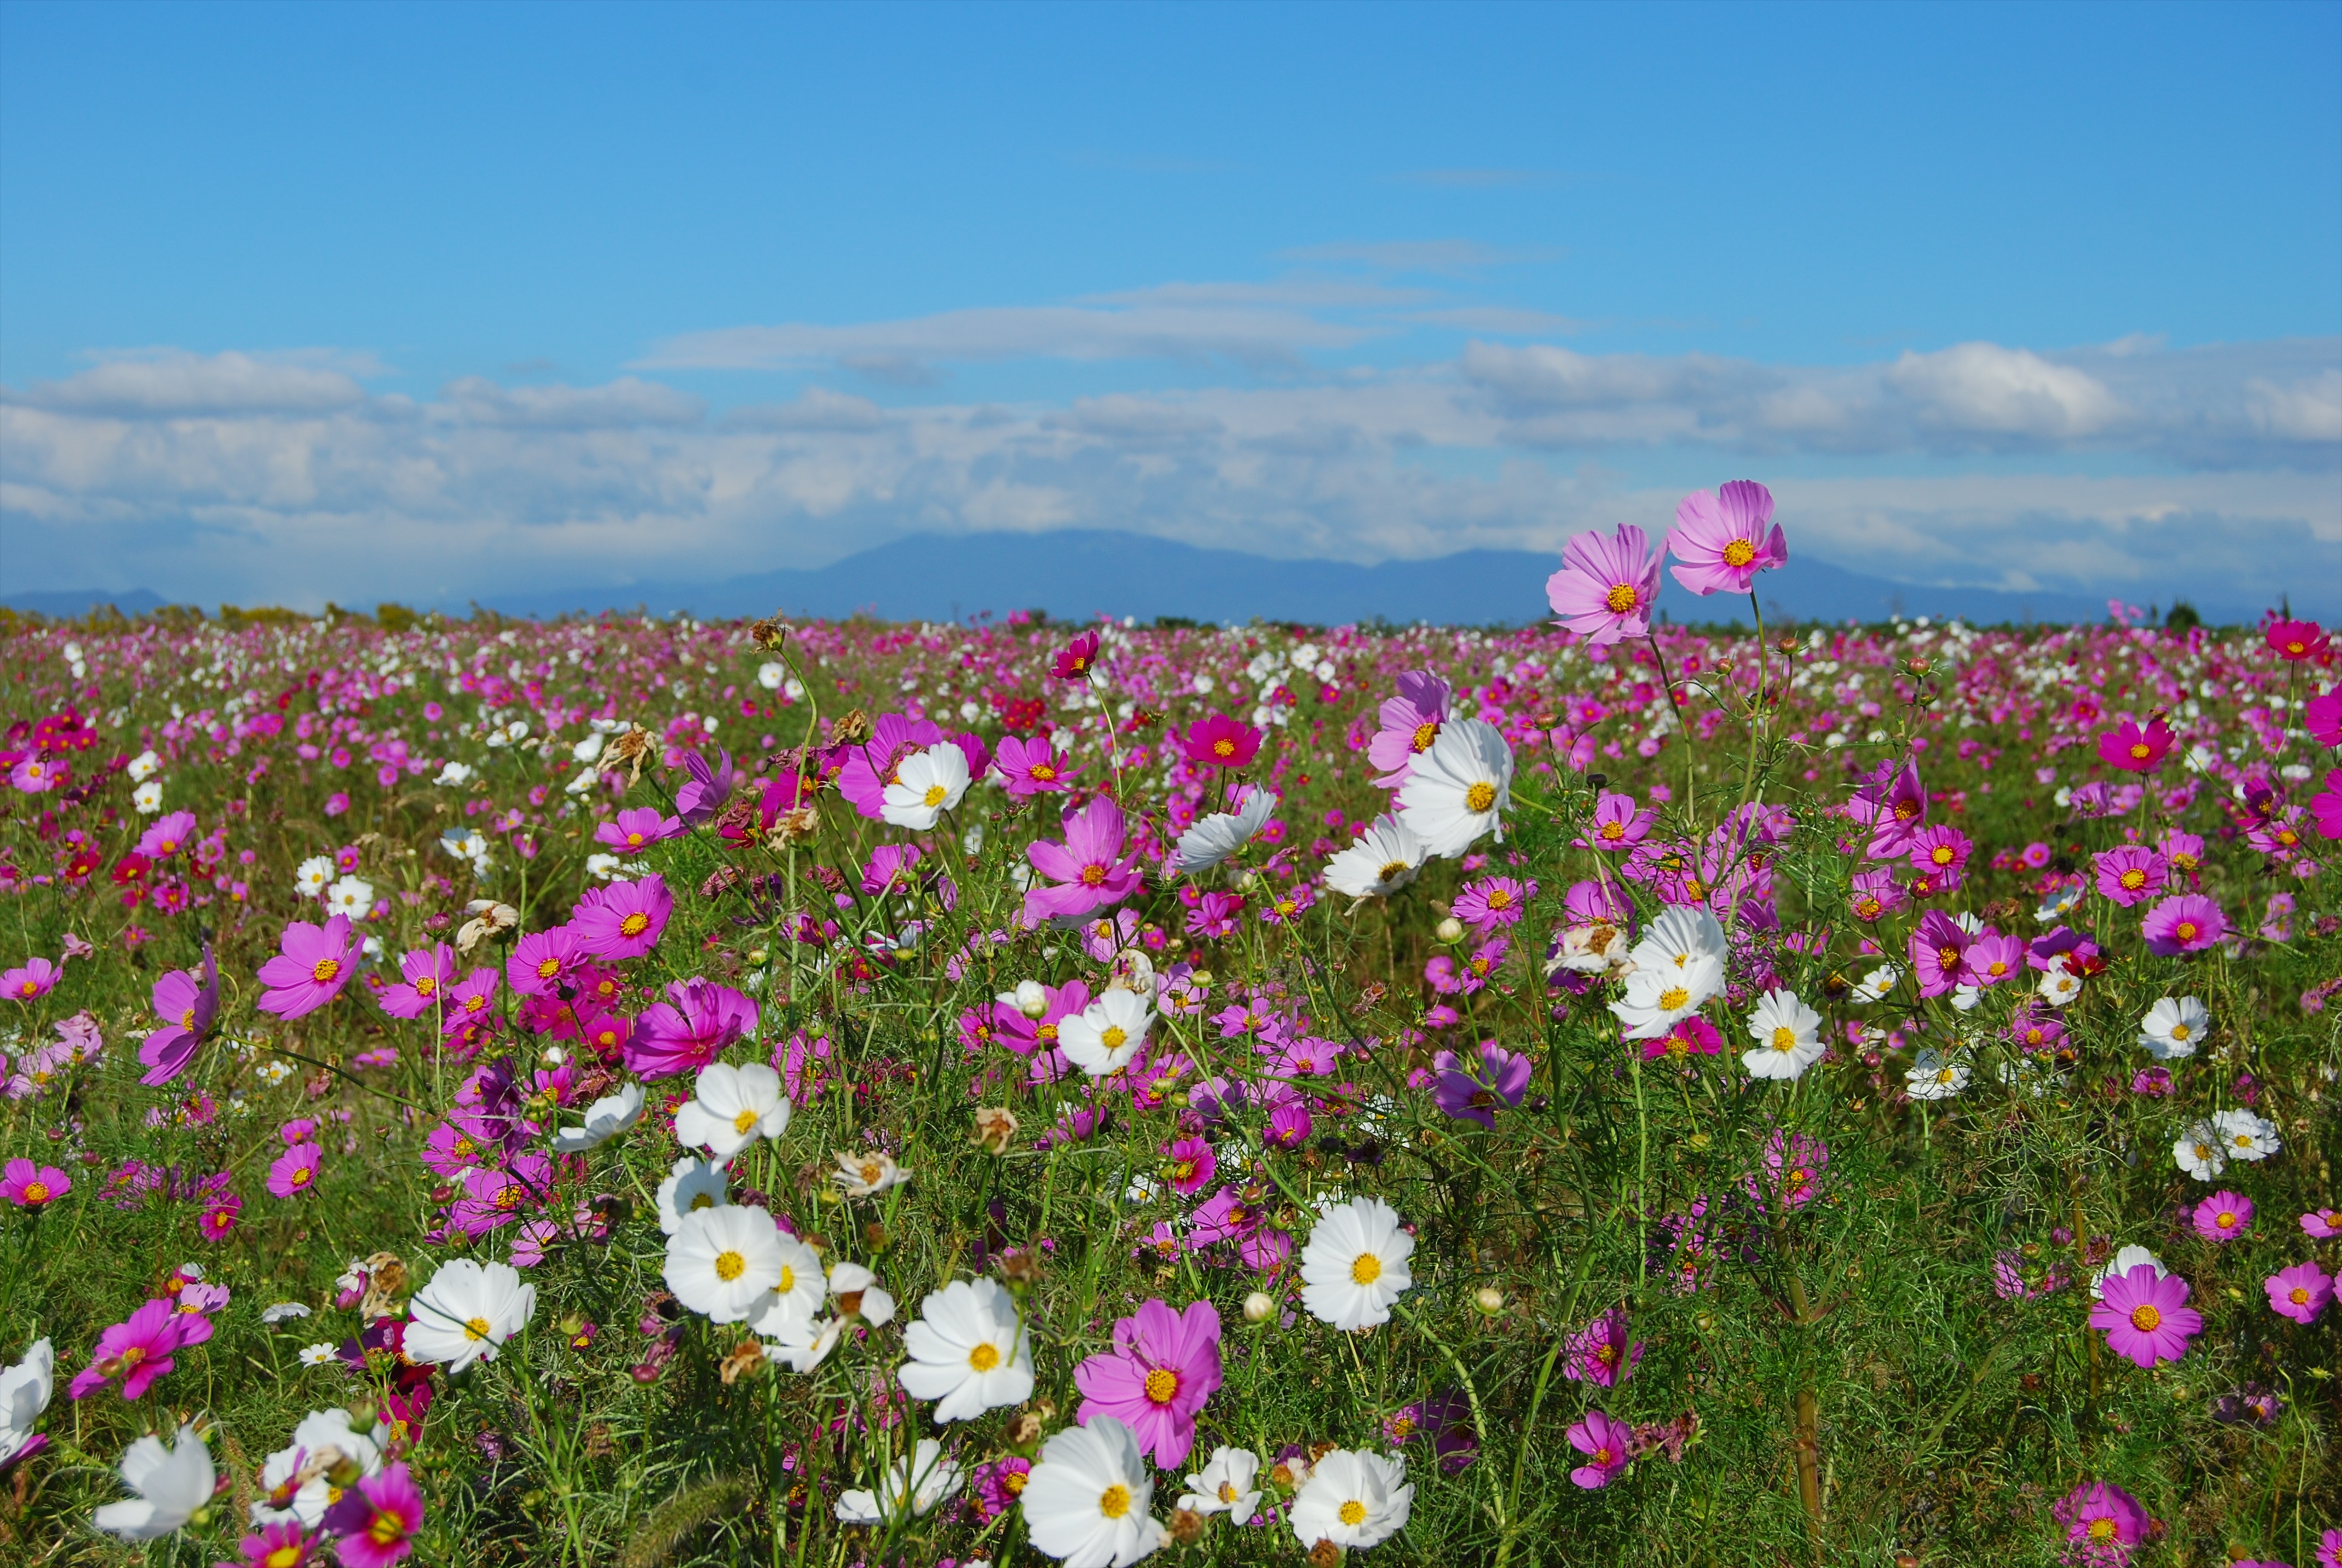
(2294, 641)
(705, 1018)
(295, 1171)
(2146, 1315)
(311, 968)
(1164, 1366)
(139, 1349)
(2130, 874)
(2322, 1223)
(2299, 1292)
(1218, 740)
(1074, 661)
(1606, 587)
(286, 1543)
(2188, 922)
(31, 1186)
(187, 1002)
(1605, 1444)
(31, 982)
(1408, 722)
(709, 788)
(168, 836)
(2135, 748)
(2323, 716)
(2326, 806)
(1088, 867)
(624, 919)
(2223, 1217)
(1939, 952)
(1721, 539)
(637, 829)
(2103, 1521)
(1188, 1166)
(1030, 767)
(427, 970)
(376, 1520)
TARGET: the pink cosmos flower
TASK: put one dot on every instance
(37, 775)
(311, 967)
(1992, 958)
(1617, 824)
(1606, 587)
(1939, 951)
(376, 1520)
(285, 1544)
(637, 829)
(1892, 804)
(427, 970)
(139, 1349)
(1409, 723)
(624, 919)
(2326, 805)
(1472, 1089)
(2103, 1521)
(705, 1018)
(2188, 922)
(167, 836)
(1941, 853)
(295, 1171)
(1494, 903)
(35, 979)
(1031, 767)
(2137, 749)
(1874, 894)
(1606, 1445)
(217, 1221)
(1074, 660)
(187, 1002)
(1218, 740)
(707, 790)
(1215, 916)
(2299, 1292)
(2131, 873)
(2323, 716)
(1603, 1353)
(1721, 539)
(31, 1186)
(469, 1002)
(1693, 1036)
(2146, 1315)
(1188, 1166)
(2330, 1549)
(541, 959)
(1088, 867)
(2224, 1216)
(2294, 641)
(1791, 1171)
(1164, 1366)
(2319, 1224)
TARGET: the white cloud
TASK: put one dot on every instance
(174, 383)
(2305, 410)
(1983, 387)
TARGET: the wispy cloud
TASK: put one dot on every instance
(1422, 256)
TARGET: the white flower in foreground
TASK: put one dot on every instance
(1596, 947)
(2059, 986)
(691, 1186)
(1788, 1037)
(24, 1391)
(967, 1351)
(1086, 1502)
(298, 1487)
(322, 1353)
(732, 1107)
(859, 1294)
(1379, 862)
(1877, 983)
(1105, 1035)
(466, 1312)
(313, 876)
(1657, 999)
(867, 1173)
(910, 1487)
(606, 1118)
(2171, 1030)
(797, 1295)
(1355, 1264)
(2198, 1151)
(145, 766)
(171, 1483)
(2244, 1136)
(1353, 1499)
(352, 895)
(2122, 1263)
(148, 798)
(720, 1262)
(1227, 1484)
(927, 785)
(1935, 1076)
(1222, 833)
(803, 1342)
(1683, 934)
(282, 1311)
(1458, 789)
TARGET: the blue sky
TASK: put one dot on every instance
(310, 302)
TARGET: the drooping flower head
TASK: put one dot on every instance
(1460, 789)
(187, 1002)
(1607, 1445)
(1721, 538)
(1894, 805)
(1474, 1087)
(709, 788)
(1606, 586)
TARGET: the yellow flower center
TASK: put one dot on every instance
(1674, 997)
(37, 1191)
(476, 1329)
(2132, 880)
(1620, 598)
(2179, 1032)
(1112, 1037)
(1115, 1501)
(546, 968)
(1785, 1039)
(1366, 1269)
(2145, 1319)
(634, 924)
(1161, 1384)
(1391, 870)
(2298, 1296)
(301, 1177)
(702, 1201)
(2140, 750)
(326, 968)
(1043, 772)
(789, 1282)
(1943, 855)
(934, 795)
(1353, 1513)
(984, 1356)
(283, 1557)
(743, 1121)
(1223, 747)
(2102, 1529)
(2186, 931)
(1739, 553)
(1425, 733)
(1480, 797)
(387, 1529)
(426, 987)
(729, 1266)
(2225, 1222)
(1227, 1491)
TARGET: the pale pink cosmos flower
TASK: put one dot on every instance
(1088, 867)
(310, 969)
(1410, 723)
(1606, 587)
(1722, 541)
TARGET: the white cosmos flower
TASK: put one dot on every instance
(1681, 933)
(804, 1340)
(969, 1353)
(145, 766)
(295, 1477)
(352, 896)
(1226, 1485)
(148, 798)
(1222, 833)
(692, 1186)
(1935, 1076)
(454, 774)
(1458, 789)
(468, 1310)
(2198, 1151)
(867, 1173)
(797, 1295)
(2059, 985)
(927, 785)
(1105, 1035)
(314, 875)
(1596, 947)
(1658, 998)
(1352, 1500)
(1086, 1502)
(1787, 1034)
(910, 1488)
(1355, 1264)
(281, 1311)
(320, 1354)
(2244, 1136)
(1877, 983)
(2121, 1263)
(606, 1118)
(732, 1107)
(2171, 1030)
(720, 1262)
(859, 1294)
(1379, 862)
(171, 1483)
(24, 1391)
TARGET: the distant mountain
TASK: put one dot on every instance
(66, 603)
(1076, 574)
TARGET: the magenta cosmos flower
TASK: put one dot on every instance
(295, 1171)
(2103, 1521)
(2321, 1223)
(35, 979)
(2299, 1292)
(167, 836)
(2223, 1216)
(139, 1349)
(187, 1001)
(1606, 586)
(427, 970)
(2146, 1315)
(1218, 740)
(2323, 716)
(541, 959)
(1407, 726)
(1164, 1366)
(636, 830)
(703, 1019)
(2137, 749)
(1939, 952)
(1692, 1036)
(2326, 806)
(2130, 874)
(1188, 1166)
(31, 1186)
(376, 1520)
(311, 967)
(1031, 767)
(2188, 922)
(1893, 805)
(1074, 660)
(1721, 539)
(709, 788)
(1605, 1443)
(1088, 867)
(2294, 641)
(1471, 1088)
(1618, 824)
(1603, 1353)
(624, 919)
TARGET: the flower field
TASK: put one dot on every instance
(665, 1093)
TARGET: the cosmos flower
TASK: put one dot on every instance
(1721, 540)
(689, 1032)
(2130, 874)
(2103, 1521)
(692, 1186)
(25, 1390)
(2299, 1292)
(375, 1523)
(139, 1349)
(312, 967)
(170, 1483)
(31, 981)
(1354, 1265)
(1165, 1366)
(1410, 722)
(1353, 1499)
(2296, 641)
(1107, 1034)
(926, 783)
(1220, 835)
(606, 1118)
(1471, 1089)
(1460, 789)
(1607, 586)
(1787, 1034)
(911, 1488)
(1218, 740)
(31, 1186)
(636, 830)
(1228, 1484)
(1087, 1501)
(425, 973)
(1607, 1445)
(2146, 1315)
(1935, 1076)
(2223, 1217)
(721, 1261)
(1088, 868)
(732, 1107)
(2136, 748)
(968, 1352)
(1380, 860)
(2172, 1029)
(622, 919)
(1603, 1353)
(468, 1310)
(1030, 767)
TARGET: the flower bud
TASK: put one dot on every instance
(1449, 930)
(1489, 1299)
(1032, 999)
(1260, 1307)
